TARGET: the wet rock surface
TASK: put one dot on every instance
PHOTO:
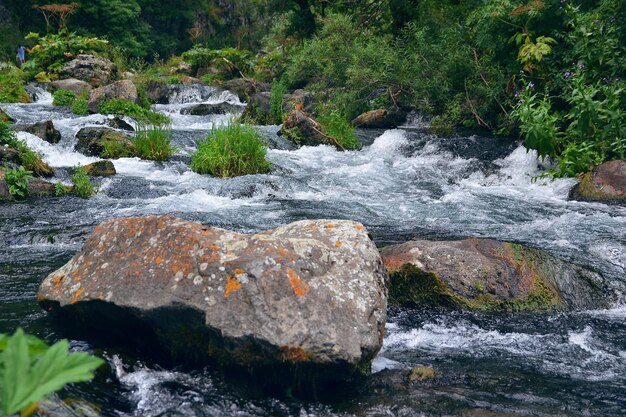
(94, 70)
(124, 90)
(72, 84)
(100, 169)
(208, 109)
(605, 184)
(92, 142)
(44, 130)
(245, 88)
(484, 274)
(380, 118)
(307, 296)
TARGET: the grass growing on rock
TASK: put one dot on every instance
(63, 98)
(231, 151)
(30, 159)
(122, 107)
(154, 142)
(336, 126)
(12, 85)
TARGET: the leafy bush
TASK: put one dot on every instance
(230, 61)
(82, 185)
(336, 126)
(230, 151)
(63, 98)
(154, 143)
(30, 371)
(54, 49)
(17, 181)
(577, 116)
(80, 107)
(61, 190)
(12, 85)
(122, 107)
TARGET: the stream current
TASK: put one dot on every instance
(403, 184)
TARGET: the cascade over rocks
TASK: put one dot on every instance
(207, 109)
(245, 88)
(91, 142)
(94, 70)
(484, 274)
(605, 184)
(44, 130)
(380, 119)
(306, 297)
(124, 89)
(72, 84)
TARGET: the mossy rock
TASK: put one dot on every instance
(486, 274)
(605, 184)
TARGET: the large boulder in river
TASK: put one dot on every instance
(44, 130)
(71, 84)
(104, 143)
(380, 119)
(307, 299)
(484, 274)
(124, 89)
(605, 184)
(94, 70)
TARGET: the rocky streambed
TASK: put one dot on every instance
(404, 185)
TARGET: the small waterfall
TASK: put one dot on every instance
(38, 93)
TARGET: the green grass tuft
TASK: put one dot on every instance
(154, 142)
(80, 107)
(63, 98)
(82, 185)
(231, 151)
(30, 159)
(122, 107)
(338, 127)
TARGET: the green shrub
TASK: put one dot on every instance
(230, 61)
(63, 98)
(17, 181)
(61, 190)
(82, 185)
(80, 107)
(230, 151)
(31, 371)
(12, 85)
(122, 107)
(336, 126)
(154, 143)
(30, 159)
(54, 49)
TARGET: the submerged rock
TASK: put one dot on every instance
(380, 119)
(72, 84)
(44, 130)
(207, 109)
(94, 70)
(124, 89)
(100, 169)
(306, 299)
(104, 143)
(483, 274)
(605, 184)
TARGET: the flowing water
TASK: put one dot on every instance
(403, 184)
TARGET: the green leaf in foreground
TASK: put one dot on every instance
(30, 371)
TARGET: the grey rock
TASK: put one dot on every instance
(309, 295)
(124, 89)
(91, 142)
(208, 109)
(44, 130)
(72, 84)
(94, 70)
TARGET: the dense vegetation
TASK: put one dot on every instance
(552, 71)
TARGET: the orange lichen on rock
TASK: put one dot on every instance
(77, 295)
(359, 228)
(330, 226)
(291, 354)
(338, 244)
(232, 285)
(158, 260)
(300, 288)
(57, 280)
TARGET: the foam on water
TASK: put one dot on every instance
(56, 156)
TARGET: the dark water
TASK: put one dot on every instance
(404, 184)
